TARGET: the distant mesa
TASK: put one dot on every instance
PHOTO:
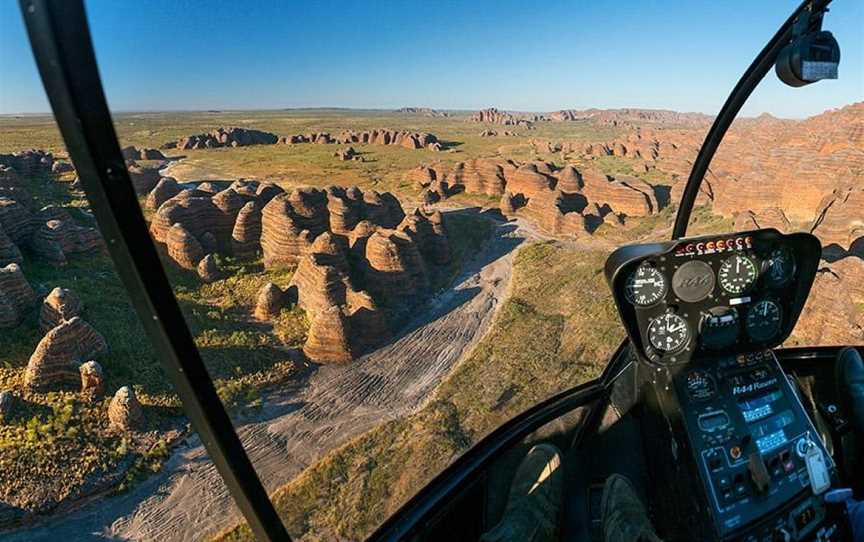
(494, 116)
(632, 117)
(425, 111)
(224, 137)
(402, 138)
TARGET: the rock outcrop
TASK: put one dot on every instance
(270, 302)
(60, 305)
(402, 138)
(224, 137)
(164, 190)
(92, 379)
(55, 361)
(494, 116)
(125, 412)
(208, 269)
(142, 153)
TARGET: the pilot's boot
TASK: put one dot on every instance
(849, 375)
(535, 497)
(623, 515)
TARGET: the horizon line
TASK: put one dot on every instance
(396, 110)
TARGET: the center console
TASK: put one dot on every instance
(749, 436)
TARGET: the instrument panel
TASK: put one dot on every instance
(714, 294)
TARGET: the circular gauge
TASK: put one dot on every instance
(700, 386)
(780, 267)
(668, 333)
(764, 320)
(645, 286)
(737, 274)
(693, 281)
(720, 327)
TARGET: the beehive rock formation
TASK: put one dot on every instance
(396, 270)
(246, 235)
(144, 178)
(270, 301)
(224, 137)
(124, 411)
(328, 339)
(198, 214)
(16, 220)
(55, 361)
(16, 295)
(164, 190)
(57, 239)
(92, 379)
(480, 176)
(59, 305)
(208, 269)
(283, 239)
(183, 247)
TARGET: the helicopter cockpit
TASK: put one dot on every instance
(720, 432)
(711, 421)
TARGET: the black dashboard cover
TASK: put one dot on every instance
(669, 256)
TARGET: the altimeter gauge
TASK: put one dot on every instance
(645, 286)
(737, 273)
(668, 333)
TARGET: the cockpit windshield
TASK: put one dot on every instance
(385, 225)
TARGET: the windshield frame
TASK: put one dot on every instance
(751, 78)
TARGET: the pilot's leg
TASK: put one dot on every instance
(535, 497)
(623, 515)
(849, 374)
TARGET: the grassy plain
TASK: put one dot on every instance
(541, 341)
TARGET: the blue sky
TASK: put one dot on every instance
(682, 55)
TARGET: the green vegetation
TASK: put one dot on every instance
(541, 342)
